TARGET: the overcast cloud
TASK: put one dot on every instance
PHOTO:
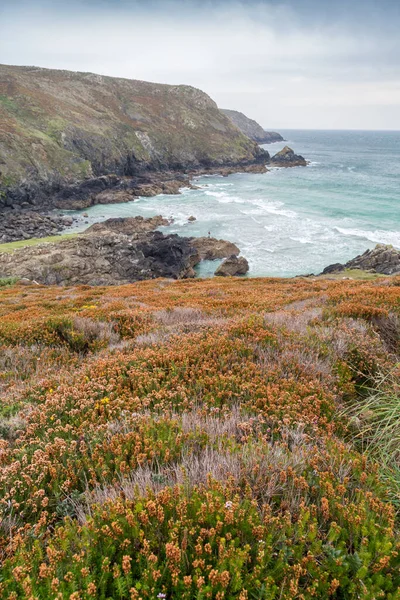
(295, 63)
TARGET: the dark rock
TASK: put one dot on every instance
(384, 259)
(104, 259)
(25, 224)
(233, 266)
(335, 268)
(287, 158)
(192, 218)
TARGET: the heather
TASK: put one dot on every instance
(200, 439)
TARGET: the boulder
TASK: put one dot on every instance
(213, 249)
(191, 219)
(232, 267)
(287, 158)
(384, 259)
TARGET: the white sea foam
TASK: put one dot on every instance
(273, 208)
(301, 240)
(378, 236)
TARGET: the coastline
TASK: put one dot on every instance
(41, 217)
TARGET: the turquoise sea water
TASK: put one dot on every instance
(294, 221)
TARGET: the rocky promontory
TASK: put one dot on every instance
(287, 158)
(116, 251)
(213, 249)
(103, 259)
(251, 128)
(384, 259)
(62, 130)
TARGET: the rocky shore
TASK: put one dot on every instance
(115, 252)
(26, 224)
(383, 259)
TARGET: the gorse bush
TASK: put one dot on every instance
(200, 440)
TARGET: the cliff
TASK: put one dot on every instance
(251, 128)
(59, 127)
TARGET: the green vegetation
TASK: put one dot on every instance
(11, 246)
(376, 421)
(4, 281)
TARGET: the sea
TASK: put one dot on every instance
(297, 220)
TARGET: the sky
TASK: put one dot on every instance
(306, 64)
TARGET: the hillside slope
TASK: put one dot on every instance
(58, 126)
(251, 128)
(193, 440)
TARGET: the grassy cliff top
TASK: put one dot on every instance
(73, 125)
(223, 439)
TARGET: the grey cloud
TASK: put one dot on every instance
(287, 64)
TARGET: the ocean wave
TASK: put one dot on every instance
(301, 240)
(378, 236)
(274, 208)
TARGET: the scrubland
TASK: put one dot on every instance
(200, 439)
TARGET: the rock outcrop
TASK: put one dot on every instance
(287, 158)
(233, 266)
(130, 226)
(384, 259)
(103, 259)
(118, 251)
(251, 128)
(25, 224)
(62, 129)
(213, 249)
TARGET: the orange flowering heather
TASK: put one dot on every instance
(199, 439)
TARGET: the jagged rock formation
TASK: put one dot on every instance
(103, 259)
(383, 259)
(62, 128)
(251, 128)
(233, 266)
(287, 158)
(213, 249)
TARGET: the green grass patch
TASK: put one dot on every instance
(354, 274)
(376, 419)
(12, 246)
(5, 281)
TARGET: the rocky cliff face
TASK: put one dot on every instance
(251, 128)
(62, 127)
